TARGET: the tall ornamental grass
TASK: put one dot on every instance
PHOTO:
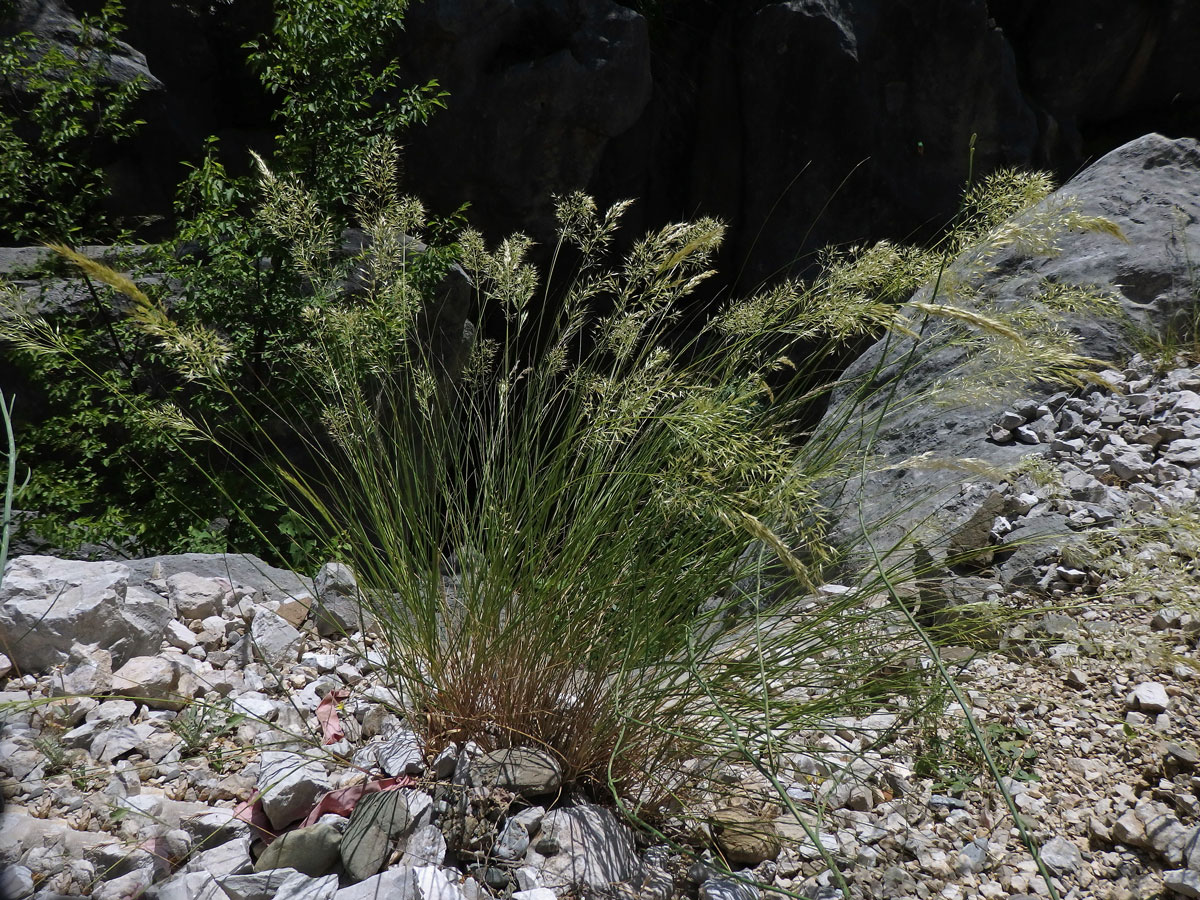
(603, 532)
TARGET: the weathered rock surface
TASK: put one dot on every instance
(290, 784)
(1150, 188)
(526, 771)
(593, 849)
(50, 606)
(312, 851)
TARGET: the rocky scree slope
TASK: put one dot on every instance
(128, 767)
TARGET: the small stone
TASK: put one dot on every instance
(256, 886)
(512, 841)
(89, 675)
(312, 851)
(290, 784)
(299, 886)
(194, 597)
(1191, 851)
(292, 609)
(744, 838)
(433, 883)
(376, 821)
(972, 858)
(1000, 435)
(527, 878)
(1180, 758)
(1128, 829)
(445, 762)
(728, 888)
(217, 826)
(1167, 618)
(1026, 435)
(401, 754)
(230, 858)
(526, 771)
(187, 885)
(394, 884)
(179, 636)
(1165, 834)
(426, 847)
(116, 742)
(160, 682)
(338, 609)
(531, 818)
(16, 882)
(595, 850)
(275, 642)
(1184, 882)
(1148, 697)
(1061, 856)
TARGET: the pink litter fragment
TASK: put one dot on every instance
(251, 812)
(327, 717)
(342, 801)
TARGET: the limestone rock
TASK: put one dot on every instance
(338, 609)
(312, 851)
(395, 884)
(290, 784)
(194, 597)
(160, 682)
(594, 849)
(1061, 856)
(526, 771)
(376, 822)
(48, 606)
(275, 642)
(425, 847)
(744, 838)
(255, 886)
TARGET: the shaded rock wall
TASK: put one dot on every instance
(801, 122)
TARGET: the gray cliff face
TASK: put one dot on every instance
(800, 122)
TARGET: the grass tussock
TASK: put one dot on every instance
(599, 528)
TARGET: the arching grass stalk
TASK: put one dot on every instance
(976, 733)
(10, 480)
(766, 771)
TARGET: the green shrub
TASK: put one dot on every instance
(108, 471)
(332, 67)
(59, 113)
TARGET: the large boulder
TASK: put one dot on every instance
(53, 609)
(1150, 188)
(239, 569)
